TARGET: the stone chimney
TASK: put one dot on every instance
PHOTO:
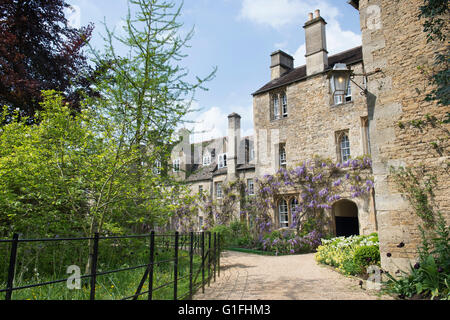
(316, 44)
(280, 63)
(234, 138)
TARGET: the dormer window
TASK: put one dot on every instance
(206, 159)
(176, 165)
(222, 160)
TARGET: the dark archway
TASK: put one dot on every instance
(345, 213)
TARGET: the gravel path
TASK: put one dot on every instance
(247, 276)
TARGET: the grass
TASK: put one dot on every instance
(114, 286)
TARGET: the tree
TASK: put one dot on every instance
(39, 51)
(146, 91)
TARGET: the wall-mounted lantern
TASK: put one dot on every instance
(340, 77)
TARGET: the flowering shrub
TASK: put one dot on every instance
(340, 252)
(288, 242)
(320, 183)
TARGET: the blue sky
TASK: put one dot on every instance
(237, 37)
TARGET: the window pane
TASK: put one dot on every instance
(282, 155)
(345, 148)
(250, 186)
(283, 213)
(276, 108)
(285, 110)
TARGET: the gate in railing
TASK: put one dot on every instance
(200, 249)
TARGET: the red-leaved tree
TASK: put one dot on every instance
(40, 51)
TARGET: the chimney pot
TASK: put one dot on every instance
(317, 13)
(310, 16)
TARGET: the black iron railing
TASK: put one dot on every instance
(200, 244)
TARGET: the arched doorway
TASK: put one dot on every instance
(345, 213)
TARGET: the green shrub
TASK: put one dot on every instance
(225, 234)
(366, 256)
(349, 254)
(349, 266)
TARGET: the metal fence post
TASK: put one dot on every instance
(215, 254)
(218, 256)
(203, 261)
(209, 258)
(191, 262)
(175, 268)
(94, 266)
(12, 266)
(152, 259)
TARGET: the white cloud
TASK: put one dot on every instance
(283, 13)
(213, 122)
(280, 13)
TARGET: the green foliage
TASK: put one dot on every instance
(225, 233)
(350, 254)
(417, 184)
(366, 255)
(435, 14)
(425, 279)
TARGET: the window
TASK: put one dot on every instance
(282, 155)
(206, 159)
(157, 167)
(200, 189)
(340, 97)
(219, 189)
(344, 146)
(276, 107)
(283, 213)
(222, 160)
(250, 187)
(348, 96)
(200, 222)
(294, 204)
(284, 105)
(176, 165)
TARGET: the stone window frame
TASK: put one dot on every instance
(365, 134)
(200, 189)
(339, 136)
(278, 96)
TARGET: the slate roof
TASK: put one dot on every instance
(348, 57)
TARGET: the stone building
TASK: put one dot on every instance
(394, 41)
(297, 117)
(208, 166)
(298, 114)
